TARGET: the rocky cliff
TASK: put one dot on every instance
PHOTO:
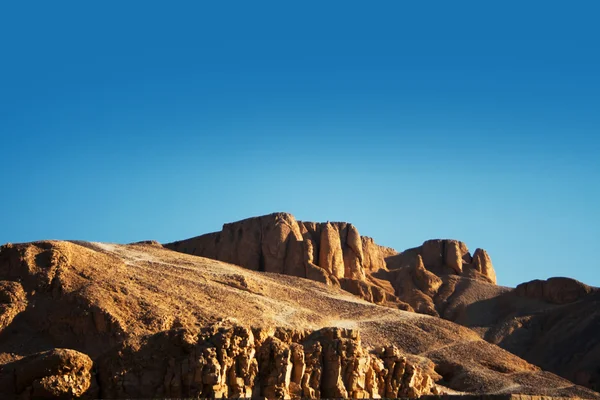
(257, 363)
(440, 278)
(336, 254)
(447, 257)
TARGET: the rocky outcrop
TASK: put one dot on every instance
(374, 255)
(417, 286)
(272, 363)
(447, 256)
(326, 252)
(335, 253)
(554, 290)
(483, 264)
(331, 257)
(426, 281)
(58, 373)
(417, 274)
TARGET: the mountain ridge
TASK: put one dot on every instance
(100, 320)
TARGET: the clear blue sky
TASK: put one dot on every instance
(124, 121)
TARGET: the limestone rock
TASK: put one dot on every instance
(426, 281)
(58, 373)
(408, 291)
(374, 255)
(335, 253)
(311, 234)
(259, 244)
(277, 363)
(453, 255)
(483, 263)
(440, 253)
(318, 274)
(325, 252)
(353, 254)
(433, 253)
(331, 257)
(137, 311)
(275, 237)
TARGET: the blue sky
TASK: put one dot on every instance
(444, 119)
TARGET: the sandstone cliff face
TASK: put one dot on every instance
(330, 252)
(447, 256)
(272, 363)
(483, 264)
(336, 254)
(375, 255)
(418, 274)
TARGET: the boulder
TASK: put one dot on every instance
(57, 373)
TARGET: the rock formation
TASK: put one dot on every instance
(417, 274)
(59, 373)
(446, 256)
(440, 278)
(483, 264)
(272, 363)
(335, 253)
(330, 252)
(97, 320)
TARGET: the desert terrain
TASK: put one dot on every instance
(309, 311)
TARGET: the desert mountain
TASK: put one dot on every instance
(98, 320)
(336, 254)
(127, 321)
(554, 324)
